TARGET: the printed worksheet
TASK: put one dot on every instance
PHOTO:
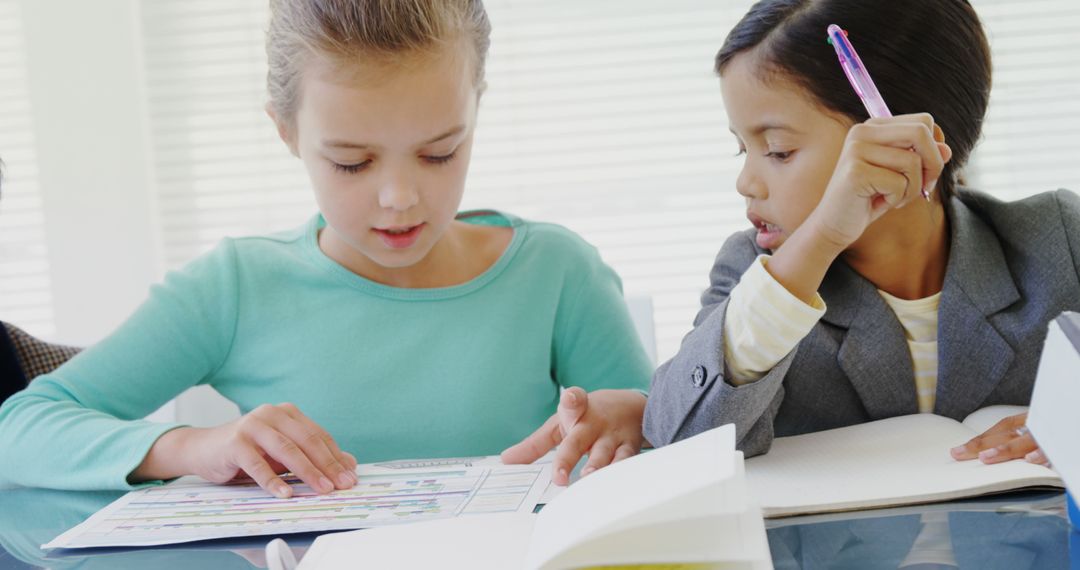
(189, 510)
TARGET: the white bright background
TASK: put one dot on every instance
(134, 138)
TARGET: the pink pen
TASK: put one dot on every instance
(859, 77)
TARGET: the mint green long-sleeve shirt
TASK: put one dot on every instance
(388, 372)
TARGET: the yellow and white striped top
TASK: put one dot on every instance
(919, 317)
(764, 322)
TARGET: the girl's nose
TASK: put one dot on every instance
(398, 193)
(748, 185)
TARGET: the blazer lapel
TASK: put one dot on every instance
(873, 353)
(972, 355)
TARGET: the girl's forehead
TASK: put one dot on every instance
(755, 96)
(387, 107)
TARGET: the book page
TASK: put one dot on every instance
(487, 542)
(896, 461)
(729, 533)
(981, 420)
(1055, 418)
(623, 491)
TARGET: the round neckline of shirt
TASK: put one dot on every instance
(341, 273)
(923, 303)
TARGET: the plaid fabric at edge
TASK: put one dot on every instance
(37, 356)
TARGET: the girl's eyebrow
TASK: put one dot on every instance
(453, 131)
(333, 143)
(765, 127)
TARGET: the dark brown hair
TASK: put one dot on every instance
(926, 56)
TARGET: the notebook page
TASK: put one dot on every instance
(896, 461)
(984, 419)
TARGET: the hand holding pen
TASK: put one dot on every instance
(882, 162)
(860, 80)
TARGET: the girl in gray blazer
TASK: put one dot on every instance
(854, 298)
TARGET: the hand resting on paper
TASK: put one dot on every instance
(262, 444)
(1007, 440)
(605, 424)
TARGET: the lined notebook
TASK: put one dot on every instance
(892, 462)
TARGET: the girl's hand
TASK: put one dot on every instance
(605, 424)
(1009, 439)
(885, 163)
(262, 444)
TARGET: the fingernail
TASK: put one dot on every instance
(587, 471)
(957, 451)
(325, 485)
(1034, 457)
(345, 479)
(563, 474)
(282, 491)
(988, 453)
(571, 398)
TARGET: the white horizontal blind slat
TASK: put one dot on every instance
(603, 116)
(1031, 138)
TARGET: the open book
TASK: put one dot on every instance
(896, 461)
(684, 503)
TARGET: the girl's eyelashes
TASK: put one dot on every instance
(441, 159)
(780, 156)
(742, 151)
(351, 168)
(359, 166)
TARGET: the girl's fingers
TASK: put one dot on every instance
(1014, 448)
(980, 443)
(601, 455)
(573, 403)
(998, 434)
(283, 449)
(896, 174)
(536, 444)
(910, 132)
(352, 462)
(335, 462)
(1037, 457)
(252, 463)
(575, 445)
(625, 450)
(311, 442)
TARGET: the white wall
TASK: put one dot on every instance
(86, 87)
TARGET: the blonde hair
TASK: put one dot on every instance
(379, 31)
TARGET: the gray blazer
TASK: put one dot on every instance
(1012, 268)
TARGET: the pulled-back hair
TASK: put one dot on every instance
(924, 55)
(364, 31)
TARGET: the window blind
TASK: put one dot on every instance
(603, 116)
(25, 295)
(1031, 138)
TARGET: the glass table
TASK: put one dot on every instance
(1010, 532)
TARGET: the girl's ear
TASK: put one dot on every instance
(286, 132)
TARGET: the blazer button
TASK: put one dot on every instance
(698, 376)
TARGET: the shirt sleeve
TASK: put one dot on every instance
(596, 345)
(80, 426)
(764, 323)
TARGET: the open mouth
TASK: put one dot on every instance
(399, 237)
(769, 235)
